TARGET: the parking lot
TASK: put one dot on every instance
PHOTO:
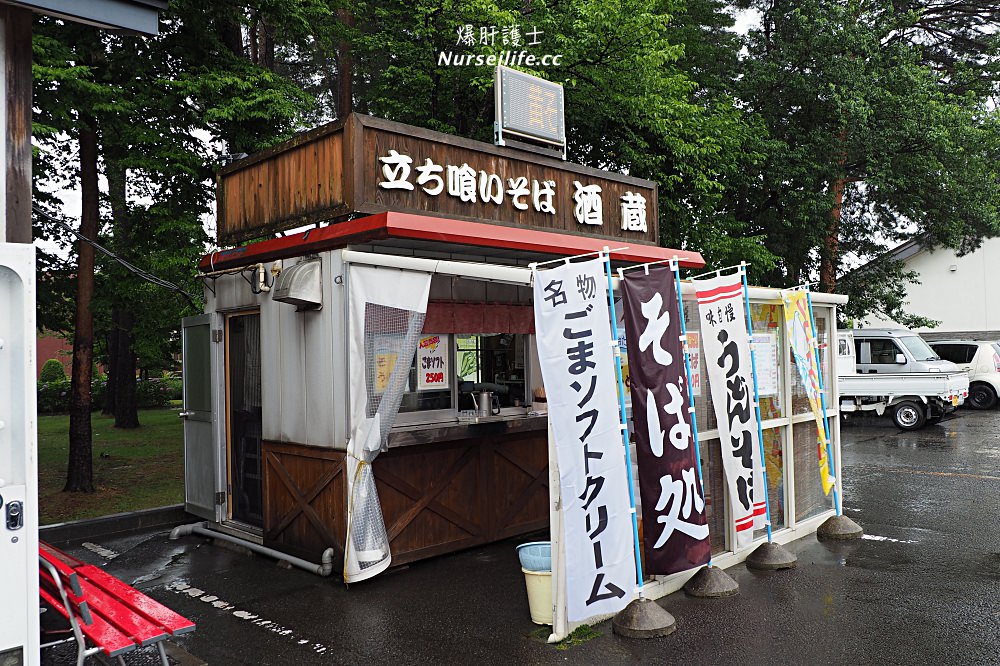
(920, 588)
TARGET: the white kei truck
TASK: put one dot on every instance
(894, 371)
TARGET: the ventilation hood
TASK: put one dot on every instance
(301, 285)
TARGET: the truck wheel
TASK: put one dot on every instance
(908, 416)
(981, 396)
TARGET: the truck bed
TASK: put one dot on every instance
(941, 384)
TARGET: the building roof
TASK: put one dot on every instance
(437, 234)
(142, 16)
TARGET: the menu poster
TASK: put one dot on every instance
(432, 363)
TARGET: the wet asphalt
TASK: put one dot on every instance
(921, 588)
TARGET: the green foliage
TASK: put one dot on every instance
(890, 101)
(54, 396)
(52, 371)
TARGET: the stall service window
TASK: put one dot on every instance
(491, 362)
(449, 368)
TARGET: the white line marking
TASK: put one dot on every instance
(224, 606)
(873, 537)
(106, 553)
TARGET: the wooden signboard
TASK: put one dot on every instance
(365, 165)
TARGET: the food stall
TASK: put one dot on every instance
(269, 367)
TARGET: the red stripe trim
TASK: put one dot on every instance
(726, 288)
(444, 230)
(741, 528)
(716, 299)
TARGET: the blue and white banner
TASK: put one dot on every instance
(573, 331)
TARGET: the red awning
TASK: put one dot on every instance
(424, 228)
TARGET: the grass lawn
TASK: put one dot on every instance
(133, 469)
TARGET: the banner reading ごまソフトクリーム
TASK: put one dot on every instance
(573, 332)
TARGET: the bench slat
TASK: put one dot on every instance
(46, 582)
(111, 641)
(149, 608)
(66, 571)
(120, 615)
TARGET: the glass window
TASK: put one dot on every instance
(883, 350)
(809, 497)
(921, 350)
(768, 349)
(773, 460)
(956, 353)
(491, 362)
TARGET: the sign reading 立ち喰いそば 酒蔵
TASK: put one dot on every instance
(368, 165)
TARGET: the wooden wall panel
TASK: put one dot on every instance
(436, 498)
(304, 498)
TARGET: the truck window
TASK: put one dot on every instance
(883, 351)
(921, 350)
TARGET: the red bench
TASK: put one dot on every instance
(114, 617)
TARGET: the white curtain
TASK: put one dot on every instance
(387, 311)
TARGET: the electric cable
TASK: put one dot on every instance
(145, 275)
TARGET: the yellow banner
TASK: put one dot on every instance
(799, 325)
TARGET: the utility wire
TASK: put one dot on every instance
(145, 275)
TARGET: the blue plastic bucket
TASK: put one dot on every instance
(536, 556)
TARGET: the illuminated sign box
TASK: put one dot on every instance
(529, 107)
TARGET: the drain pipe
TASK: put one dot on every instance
(325, 568)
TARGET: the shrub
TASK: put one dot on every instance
(53, 397)
(175, 388)
(152, 393)
(52, 371)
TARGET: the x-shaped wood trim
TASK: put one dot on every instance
(428, 498)
(303, 500)
(539, 479)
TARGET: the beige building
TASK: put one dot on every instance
(960, 292)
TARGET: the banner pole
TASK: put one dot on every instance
(756, 403)
(822, 402)
(624, 422)
(687, 371)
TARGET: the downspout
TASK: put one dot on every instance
(325, 568)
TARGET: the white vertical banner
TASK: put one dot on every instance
(573, 333)
(730, 377)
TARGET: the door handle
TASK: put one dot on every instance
(184, 415)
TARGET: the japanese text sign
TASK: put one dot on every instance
(573, 331)
(368, 165)
(432, 363)
(730, 376)
(675, 524)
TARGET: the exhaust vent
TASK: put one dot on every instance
(301, 285)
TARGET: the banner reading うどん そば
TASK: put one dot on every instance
(730, 376)
(573, 332)
(675, 524)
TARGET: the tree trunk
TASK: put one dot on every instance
(122, 383)
(830, 253)
(80, 471)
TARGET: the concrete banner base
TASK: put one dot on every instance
(839, 528)
(771, 557)
(643, 618)
(711, 583)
